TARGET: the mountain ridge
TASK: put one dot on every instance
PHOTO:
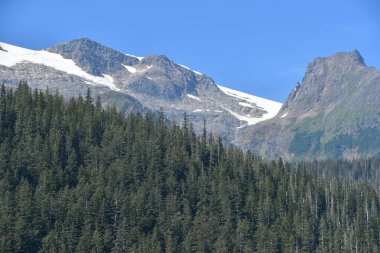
(151, 82)
(332, 113)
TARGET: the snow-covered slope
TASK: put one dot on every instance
(271, 107)
(11, 55)
(131, 82)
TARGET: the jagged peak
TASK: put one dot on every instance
(353, 57)
(93, 57)
(348, 59)
(162, 60)
(161, 57)
(84, 40)
(81, 43)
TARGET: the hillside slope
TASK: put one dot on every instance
(334, 112)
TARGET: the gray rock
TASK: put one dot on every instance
(333, 113)
(93, 57)
(152, 83)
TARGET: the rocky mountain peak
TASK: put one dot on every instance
(347, 58)
(357, 57)
(158, 60)
(325, 79)
(76, 46)
(92, 56)
(133, 83)
(82, 42)
(332, 113)
(341, 61)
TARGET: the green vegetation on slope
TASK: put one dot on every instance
(77, 178)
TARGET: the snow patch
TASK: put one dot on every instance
(130, 69)
(14, 55)
(284, 115)
(271, 107)
(246, 104)
(250, 120)
(134, 70)
(198, 110)
(193, 97)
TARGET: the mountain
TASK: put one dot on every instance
(76, 178)
(135, 84)
(334, 112)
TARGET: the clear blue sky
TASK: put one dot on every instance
(260, 47)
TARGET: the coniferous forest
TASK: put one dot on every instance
(75, 177)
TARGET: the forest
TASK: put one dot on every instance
(77, 177)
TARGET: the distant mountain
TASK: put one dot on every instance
(135, 84)
(334, 112)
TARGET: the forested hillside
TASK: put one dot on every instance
(78, 178)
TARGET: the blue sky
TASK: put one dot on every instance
(260, 47)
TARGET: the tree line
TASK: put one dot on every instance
(75, 177)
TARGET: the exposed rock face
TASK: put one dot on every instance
(333, 113)
(133, 83)
(93, 57)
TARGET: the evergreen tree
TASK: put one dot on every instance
(77, 178)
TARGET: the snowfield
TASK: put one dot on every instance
(271, 107)
(11, 55)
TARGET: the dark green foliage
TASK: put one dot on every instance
(76, 178)
(305, 142)
(367, 139)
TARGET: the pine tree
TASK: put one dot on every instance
(76, 177)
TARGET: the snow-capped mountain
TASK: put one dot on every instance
(135, 83)
(12, 55)
(332, 113)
